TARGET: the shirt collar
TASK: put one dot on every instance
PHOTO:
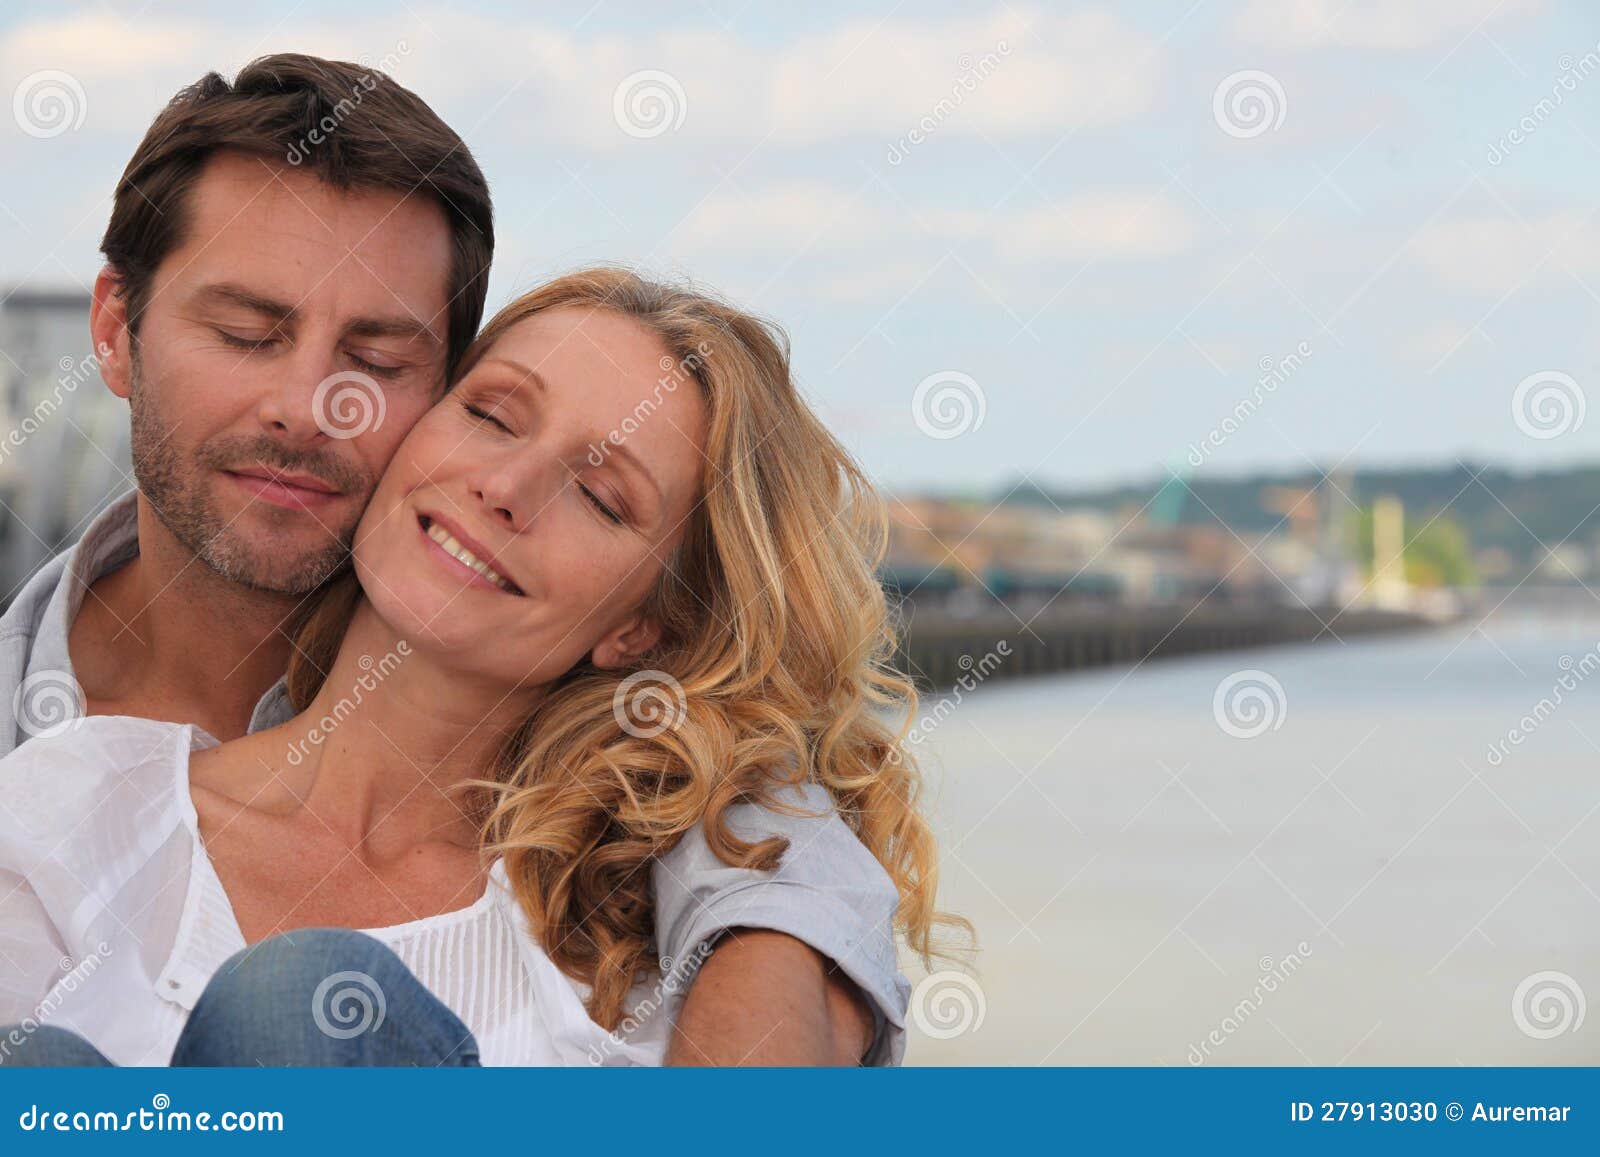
(111, 541)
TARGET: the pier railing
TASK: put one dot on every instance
(938, 650)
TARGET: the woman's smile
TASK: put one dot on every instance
(444, 542)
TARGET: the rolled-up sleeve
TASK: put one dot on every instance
(828, 891)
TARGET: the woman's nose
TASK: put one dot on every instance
(513, 490)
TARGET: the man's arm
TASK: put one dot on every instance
(812, 970)
(765, 998)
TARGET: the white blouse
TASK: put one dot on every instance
(112, 918)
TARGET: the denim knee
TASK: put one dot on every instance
(321, 996)
(46, 1046)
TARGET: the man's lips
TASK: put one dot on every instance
(293, 490)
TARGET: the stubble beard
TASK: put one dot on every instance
(176, 485)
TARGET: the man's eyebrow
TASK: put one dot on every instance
(227, 293)
(396, 325)
(402, 327)
(619, 448)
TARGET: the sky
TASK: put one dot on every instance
(1071, 244)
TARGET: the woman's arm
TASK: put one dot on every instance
(825, 955)
(765, 998)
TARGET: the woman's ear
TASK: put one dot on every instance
(108, 329)
(627, 644)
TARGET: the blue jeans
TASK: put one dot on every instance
(315, 996)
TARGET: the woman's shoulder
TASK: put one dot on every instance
(100, 772)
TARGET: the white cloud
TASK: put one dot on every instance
(1382, 25)
(1027, 72)
(1495, 255)
(781, 220)
(1098, 226)
(816, 217)
(1001, 74)
(1434, 343)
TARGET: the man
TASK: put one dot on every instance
(307, 228)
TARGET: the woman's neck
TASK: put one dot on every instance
(380, 753)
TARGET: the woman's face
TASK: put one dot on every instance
(518, 529)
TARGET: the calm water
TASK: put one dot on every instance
(1134, 870)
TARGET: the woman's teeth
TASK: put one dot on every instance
(461, 554)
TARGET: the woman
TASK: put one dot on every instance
(617, 581)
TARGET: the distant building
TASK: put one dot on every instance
(63, 436)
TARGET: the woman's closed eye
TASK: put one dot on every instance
(600, 505)
(483, 415)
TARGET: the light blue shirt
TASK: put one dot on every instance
(828, 891)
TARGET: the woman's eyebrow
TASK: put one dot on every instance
(525, 373)
(608, 447)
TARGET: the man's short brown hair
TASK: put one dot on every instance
(350, 125)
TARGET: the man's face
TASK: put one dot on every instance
(252, 458)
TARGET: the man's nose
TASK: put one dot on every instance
(291, 405)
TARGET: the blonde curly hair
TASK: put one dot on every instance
(775, 630)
